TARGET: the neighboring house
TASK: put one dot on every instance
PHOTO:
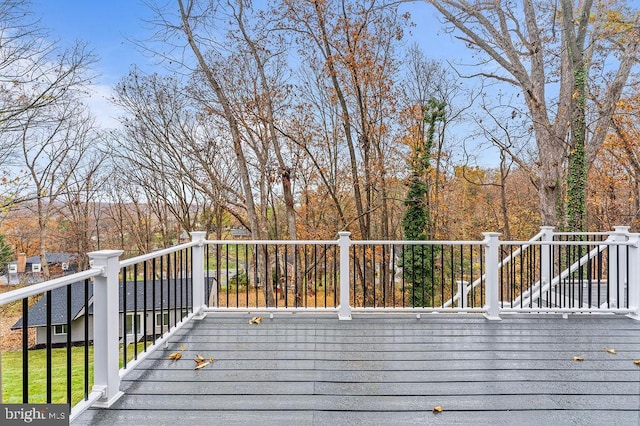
(135, 304)
(28, 270)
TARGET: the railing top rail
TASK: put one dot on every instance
(273, 242)
(157, 253)
(418, 242)
(40, 288)
(598, 233)
(568, 243)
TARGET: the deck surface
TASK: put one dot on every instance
(380, 369)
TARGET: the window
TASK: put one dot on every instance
(59, 329)
(36, 267)
(162, 319)
(129, 324)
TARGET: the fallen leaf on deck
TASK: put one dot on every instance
(255, 320)
(437, 409)
(578, 358)
(200, 357)
(211, 358)
(175, 356)
(202, 365)
(611, 351)
(636, 361)
(181, 348)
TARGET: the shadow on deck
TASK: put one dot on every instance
(301, 369)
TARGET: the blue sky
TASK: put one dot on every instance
(104, 24)
(109, 25)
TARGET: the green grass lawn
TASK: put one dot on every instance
(12, 374)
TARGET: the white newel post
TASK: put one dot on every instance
(492, 304)
(545, 256)
(618, 261)
(463, 293)
(344, 243)
(197, 266)
(106, 325)
(634, 275)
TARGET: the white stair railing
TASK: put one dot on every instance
(539, 288)
(465, 289)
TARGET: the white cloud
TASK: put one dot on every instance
(105, 112)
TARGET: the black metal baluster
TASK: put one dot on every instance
(315, 276)
(433, 275)
(523, 265)
(324, 249)
(295, 276)
(86, 339)
(175, 288)
(471, 277)
(285, 282)
(383, 275)
(482, 287)
(442, 275)
(144, 305)
(453, 268)
(162, 321)
(267, 277)
(189, 280)
(353, 262)
(207, 252)
(226, 250)
(49, 360)
(246, 273)
(393, 275)
(135, 311)
(69, 364)
(124, 318)
(413, 275)
(255, 273)
(463, 302)
(335, 276)
(364, 275)
(154, 323)
(25, 350)
(237, 278)
(373, 272)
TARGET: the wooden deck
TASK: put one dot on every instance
(379, 369)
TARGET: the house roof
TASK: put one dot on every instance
(53, 258)
(38, 313)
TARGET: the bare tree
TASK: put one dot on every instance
(555, 55)
(168, 151)
(53, 144)
(80, 200)
(36, 74)
(351, 46)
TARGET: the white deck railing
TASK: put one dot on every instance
(344, 276)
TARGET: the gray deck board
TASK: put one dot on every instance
(388, 369)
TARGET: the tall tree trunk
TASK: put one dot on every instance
(284, 169)
(258, 230)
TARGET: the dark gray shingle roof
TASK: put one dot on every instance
(38, 312)
(166, 296)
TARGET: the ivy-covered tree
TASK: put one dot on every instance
(6, 253)
(416, 222)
